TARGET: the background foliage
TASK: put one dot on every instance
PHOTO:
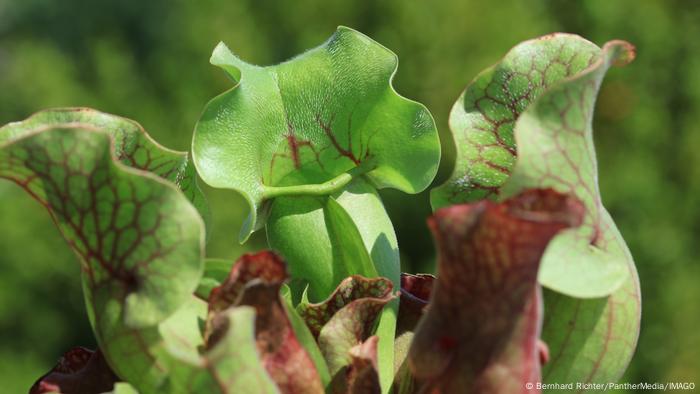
(148, 60)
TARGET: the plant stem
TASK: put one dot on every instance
(321, 189)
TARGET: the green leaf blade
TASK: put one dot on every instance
(555, 149)
(133, 147)
(232, 364)
(550, 126)
(483, 118)
(539, 100)
(139, 240)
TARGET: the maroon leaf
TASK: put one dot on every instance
(79, 371)
(480, 333)
(415, 295)
(255, 280)
(264, 266)
(372, 292)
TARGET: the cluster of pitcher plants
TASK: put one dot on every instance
(534, 282)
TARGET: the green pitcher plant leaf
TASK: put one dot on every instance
(140, 243)
(480, 332)
(555, 149)
(326, 239)
(132, 147)
(308, 125)
(414, 299)
(139, 240)
(538, 100)
(132, 230)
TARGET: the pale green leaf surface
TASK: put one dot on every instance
(592, 340)
(555, 149)
(539, 102)
(124, 388)
(231, 365)
(497, 115)
(132, 146)
(120, 221)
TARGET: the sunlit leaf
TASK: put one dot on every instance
(322, 240)
(589, 340)
(308, 125)
(326, 239)
(538, 100)
(415, 296)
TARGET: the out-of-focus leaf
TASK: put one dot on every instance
(346, 318)
(308, 341)
(480, 333)
(140, 243)
(255, 280)
(79, 371)
(546, 113)
(307, 126)
(230, 364)
(123, 388)
(415, 296)
(590, 340)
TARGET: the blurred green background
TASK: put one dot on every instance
(148, 60)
